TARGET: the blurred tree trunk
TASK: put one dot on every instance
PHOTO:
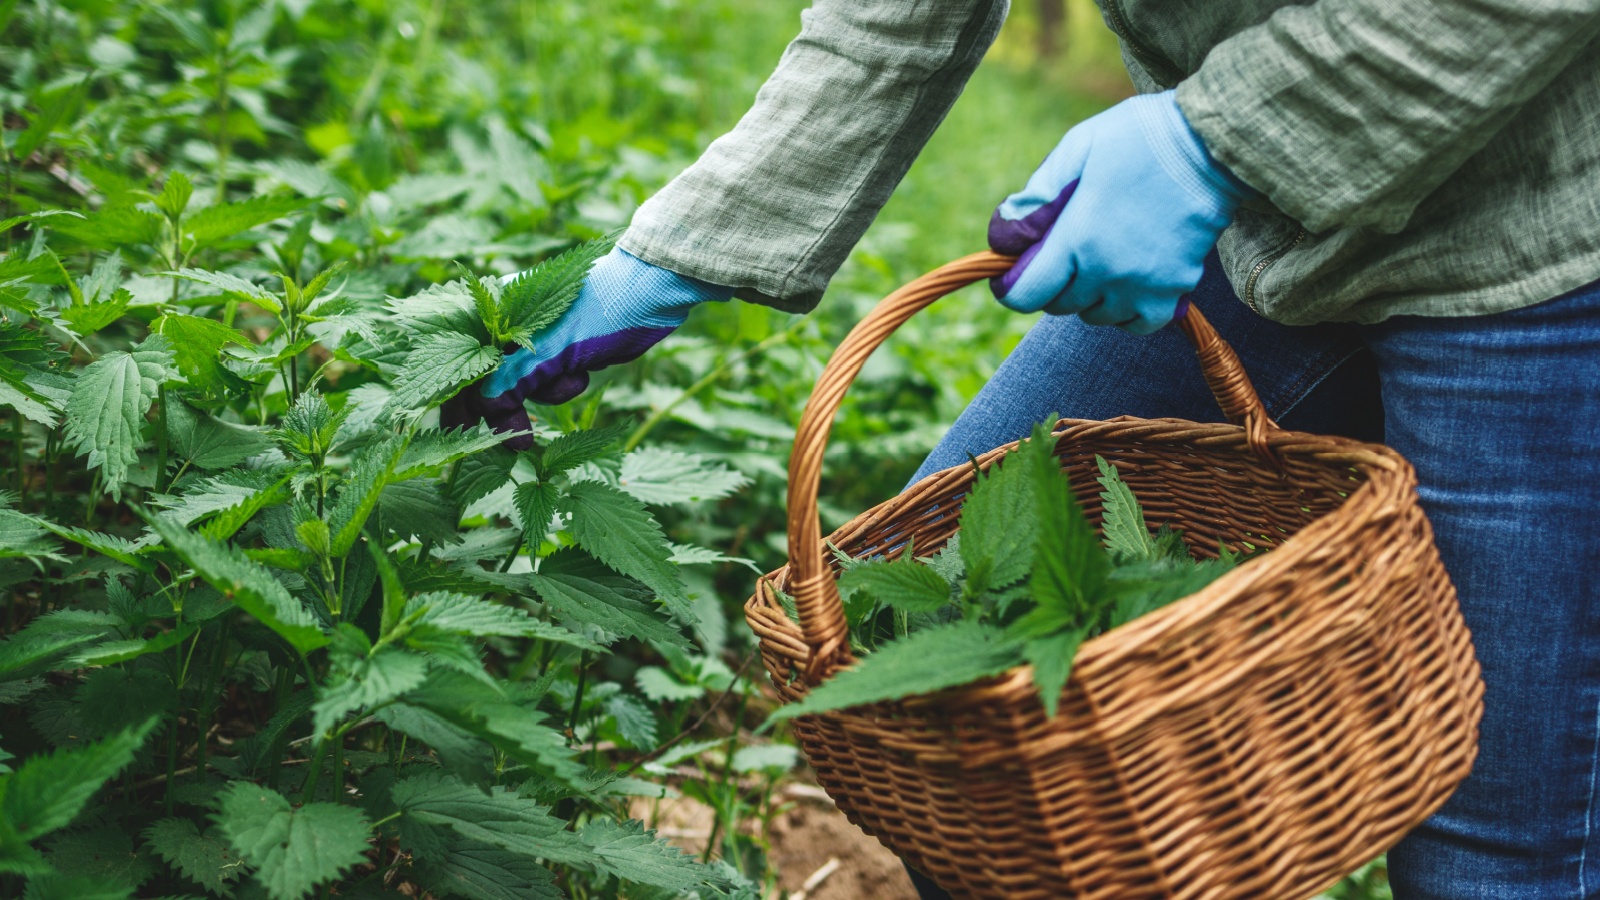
(1052, 28)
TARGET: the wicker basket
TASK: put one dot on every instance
(1258, 739)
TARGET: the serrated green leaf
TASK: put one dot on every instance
(519, 731)
(104, 853)
(379, 678)
(293, 850)
(460, 753)
(232, 284)
(904, 584)
(47, 639)
(197, 345)
(615, 529)
(113, 226)
(175, 195)
(120, 549)
(359, 493)
(661, 476)
(595, 596)
(922, 662)
(105, 416)
(575, 448)
(1069, 565)
(536, 505)
(498, 817)
(481, 871)
(659, 685)
(536, 298)
(418, 508)
(210, 496)
(432, 448)
(210, 443)
(998, 527)
(440, 366)
(203, 857)
(23, 537)
(63, 886)
(88, 318)
(1052, 658)
(481, 475)
(631, 853)
(1122, 525)
(46, 793)
(217, 223)
(248, 584)
(636, 721)
(114, 652)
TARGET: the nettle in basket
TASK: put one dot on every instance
(1026, 580)
(295, 638)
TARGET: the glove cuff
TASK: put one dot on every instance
(1184, 156)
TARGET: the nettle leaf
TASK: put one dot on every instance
(197, 346)
(536, 505)
(231, 284)
(482, 475)
(766, 758)
(536, 298)
(62, 886)
(309, 427)
(418, 508)
(210, 496)
(120, 549)
(1122, 525)
(661, 476)
(23, 537)
(293, 850)
(104, 853)
(477, 616)
(517, 730)
(248, 584)
(636, 721)
(379, 678)
(433, 447)
(486, 872)
(202, 857)
(88, 318)
(592, 595)
(616, 529)
(113, 226)
(109, 401)
(904, 584)
(998, 524)
(1052, 658)
(208, 442)
(575, 448)
(628, 851)
(220, 222)
(498, 817)
(922, 662)
(360, 492)
(1069, 566)
(438, 309)
(659, 685)
(438, 367)
(46, 793)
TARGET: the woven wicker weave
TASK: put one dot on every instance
(1258, 739)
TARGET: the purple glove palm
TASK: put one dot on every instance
(626, 307)
(1116, 223)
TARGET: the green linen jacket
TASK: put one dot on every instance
(1418, 157)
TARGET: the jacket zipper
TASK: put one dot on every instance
(1262, 266)
(1163, 70)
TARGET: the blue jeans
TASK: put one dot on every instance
(1501, 417)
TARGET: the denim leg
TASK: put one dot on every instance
(1501, 417)
(1318, 379)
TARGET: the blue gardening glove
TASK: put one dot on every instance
(1115, 225)
(626, 307)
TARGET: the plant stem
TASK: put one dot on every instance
(577, 697)
(161, 439)
(309, 793)
(338, 767)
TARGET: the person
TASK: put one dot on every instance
(1391, 210)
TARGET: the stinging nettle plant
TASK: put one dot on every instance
(325, 643)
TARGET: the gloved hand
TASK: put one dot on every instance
(1115, 225)
(626, 307)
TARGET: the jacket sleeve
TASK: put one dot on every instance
(1350, 112)
(773, 207)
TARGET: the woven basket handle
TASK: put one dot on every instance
(811, 581)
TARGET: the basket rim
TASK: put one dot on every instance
(1384, 469)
